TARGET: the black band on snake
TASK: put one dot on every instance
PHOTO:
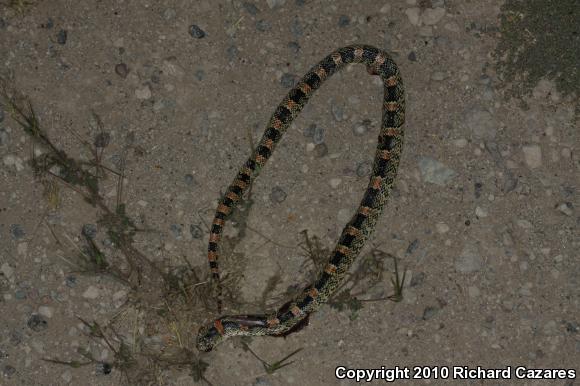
(356, 231)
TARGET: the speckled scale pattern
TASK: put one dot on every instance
(356, 231)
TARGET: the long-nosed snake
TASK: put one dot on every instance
(357, 230)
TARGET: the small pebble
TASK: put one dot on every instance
(61, 37)
(66, 376)
(361, 128)
(17, 231)
(263, 25)
(37, 323)
(320, 150)
(532, 156)
(119, 296)
(544, 89)
(551, 328)
(177, 231)
(427, 32)
(477, 189)
(412, 247)
(7, 271)
(232, 52)
(261, 381)
(413, 14)
(429, 312)
(385, 8)
(71, 281)
(526, 289)
(287, 80)
(337, 111)
(335, 182)
(14, 160)
(364, 169)
(318, 136)
(488, 93)
(277, 195)
(343, 21)
(296, 28)
(389, 40)
(143, 92)
(250, 8)
(155, 76)
(565, 152)
(199, 74)
(3, 132)
(275, 3)
(343, 215)
(469, 260)
(103, 368)
(89, 230)
(22, 248)
(572, 327)
(438, 76)
(16, 337)
(480, 212)
(484, 79)
(46, 311)
(189, 180)
(308, 131)
(91, 293)
(294, 47)
(434, 171)
(195, 231)
(507, 239)
(566, 208)
(102, 140)
(196, 32)
(412, 56)
(442, 227)
(169, 14)
(122, 70)
(8, 371)
(417, 279)
(473, 291)
(432, 16)
(164, 103)
(481, 123)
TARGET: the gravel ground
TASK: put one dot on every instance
(484, 218)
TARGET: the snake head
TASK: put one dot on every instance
(207, 337)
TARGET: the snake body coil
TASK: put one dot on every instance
(356, 231)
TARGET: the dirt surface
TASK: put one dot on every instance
(484, 219)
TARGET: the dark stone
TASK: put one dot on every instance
(196, 32)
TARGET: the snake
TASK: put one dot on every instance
(294, 314)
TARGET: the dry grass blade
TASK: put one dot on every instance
(110, 250)
(272, 368)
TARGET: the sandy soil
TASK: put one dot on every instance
(484, 219)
